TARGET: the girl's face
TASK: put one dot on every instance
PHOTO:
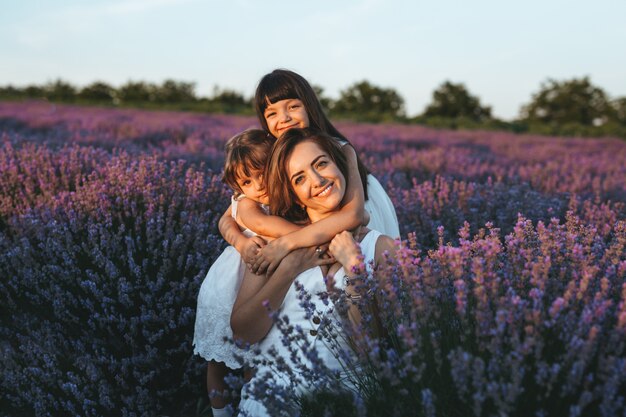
(285, 114)
(252, 186)
(315, 179)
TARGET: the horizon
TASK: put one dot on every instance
(502, 54)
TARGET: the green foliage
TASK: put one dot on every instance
(175, 92)
(138, 91)
(326, 102)
(60, 90)
(619, 109)
(11, 92)
(467, 123)
(34, 91)
(98, 91)
(367, 102)
(568, 108)
(566, 102)
(453, 101)
(228, 101)
(574, 129)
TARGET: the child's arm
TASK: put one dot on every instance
(254, 218)
(247, 247)
(351, 215)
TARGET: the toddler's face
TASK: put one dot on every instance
(252, 186)
(284, 115)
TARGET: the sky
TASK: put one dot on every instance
(502, 51)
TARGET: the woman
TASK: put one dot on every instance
(307, 177)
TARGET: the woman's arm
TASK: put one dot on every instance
(347, 252)
(254, 218)
(250, 320)
(351, 215)
(247, 247)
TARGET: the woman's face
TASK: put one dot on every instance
(285, 114)
(315, 179)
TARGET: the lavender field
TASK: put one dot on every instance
(509, 297)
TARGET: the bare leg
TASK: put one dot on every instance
(216, 386)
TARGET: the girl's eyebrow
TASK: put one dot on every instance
(312, 163)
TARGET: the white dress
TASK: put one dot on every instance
(215, 303)
(379, 206)
(313, 282)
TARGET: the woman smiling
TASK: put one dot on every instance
(307, 180)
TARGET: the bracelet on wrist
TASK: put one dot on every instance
(350, 282)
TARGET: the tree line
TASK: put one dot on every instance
(572, 107)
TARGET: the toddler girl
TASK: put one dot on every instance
(246, 155)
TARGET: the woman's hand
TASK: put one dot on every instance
(251, 248)
(345, 250)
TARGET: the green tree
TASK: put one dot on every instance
(60, 90)
(453, 101)
(172, 91)
(327, 103)
(368, 102)
(228, 97)
(34, 91)
(572, 101)
(137, 92)
(11, 92)
(229, 101)
(98, 91)
(619, 110)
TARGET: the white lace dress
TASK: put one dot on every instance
(313, 282)
(215, 303)
(379, 206)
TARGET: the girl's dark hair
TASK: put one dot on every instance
(282, 84)
(283, 200)
(245, 152)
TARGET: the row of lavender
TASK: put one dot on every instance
(107, 227)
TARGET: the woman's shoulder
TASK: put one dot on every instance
(384, 244)
(373, 241)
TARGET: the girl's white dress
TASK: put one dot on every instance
(313, 282)
(212, 333)
(379, 206)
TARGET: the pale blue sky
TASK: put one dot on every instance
(502, 50)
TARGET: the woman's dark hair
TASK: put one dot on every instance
(246, 151)
(282, 84)
(283, 200)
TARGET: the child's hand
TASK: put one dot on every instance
(251, 248)
(268, 258)
(345, 249)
